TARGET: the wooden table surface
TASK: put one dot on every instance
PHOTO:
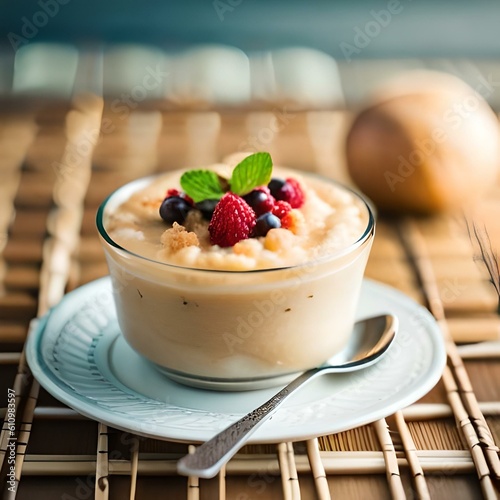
(55, 168)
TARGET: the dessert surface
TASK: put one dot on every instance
(253, 231)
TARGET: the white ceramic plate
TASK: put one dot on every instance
(77, 354)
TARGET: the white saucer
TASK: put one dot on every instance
(78, 355)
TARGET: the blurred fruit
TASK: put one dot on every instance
(288, 190)
(427, 143)
(265, 223)
(207, 207)
(281, 208)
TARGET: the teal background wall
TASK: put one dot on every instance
(420, 28)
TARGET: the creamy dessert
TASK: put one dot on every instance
(231, 278)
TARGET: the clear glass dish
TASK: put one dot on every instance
(235, 330)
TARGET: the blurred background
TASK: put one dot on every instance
(246, 44)
(185, 83)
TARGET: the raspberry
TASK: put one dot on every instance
(172, 192)
(288, 190)
(281, 208)
(180, 194)
(295, 195)
(233, 220)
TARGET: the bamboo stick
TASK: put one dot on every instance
(334, 463)
(21, 277)
(427, 411)
(292, 467)
(102, 465)
(484, 350)
(391, 463)
(222, 483)
(57, 413)
(9, 358)
(412, 457)
(23, 250)
(13, 332)
(17, 306)
(289, 477)
(134, 463)
(27, 415)
(24, 130)
(317, 469)
(29, 224)
(464, 330)
(193, 483)
(461, 398)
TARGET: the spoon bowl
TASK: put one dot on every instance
(370, 340)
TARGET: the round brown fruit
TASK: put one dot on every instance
(427, 143)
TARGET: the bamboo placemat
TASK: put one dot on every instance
(54, 171)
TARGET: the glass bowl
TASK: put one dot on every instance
(235, 330)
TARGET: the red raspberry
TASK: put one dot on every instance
(176, 192)
(293, 193)
(172, 192)
(281, 208)
(287, 190)
(232, 221)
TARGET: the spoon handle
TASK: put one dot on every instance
(208, 459)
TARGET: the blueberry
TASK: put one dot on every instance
(206, 207)
(174, 209)
(276, 186)
(265, 223)
(260, 200)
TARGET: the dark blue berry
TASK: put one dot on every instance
(174, 209)
(260, 200)
(276, 187)
(265, 223)
(207, 207)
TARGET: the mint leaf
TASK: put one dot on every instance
(255, 170)
(201, 185)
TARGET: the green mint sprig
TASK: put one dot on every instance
(255, 170)
(201, 185)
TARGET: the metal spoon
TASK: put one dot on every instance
(370, 340)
